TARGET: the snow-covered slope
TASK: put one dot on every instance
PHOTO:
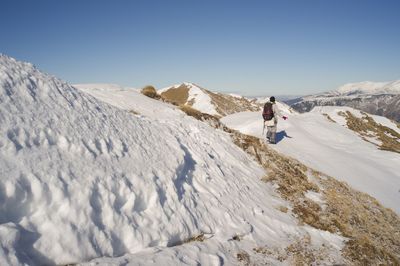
(132, 101)
(380, 98)
(195, 95)
(334, 149)
(82, 179)
(208, 102)
(103, 86)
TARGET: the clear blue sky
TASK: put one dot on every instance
(249, 47)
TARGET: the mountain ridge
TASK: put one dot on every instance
(206, 101)
(107, 175)
(372, 97)
(83, 179)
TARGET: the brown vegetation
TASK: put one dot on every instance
(283, 209)
(227, 104)
(210, 119)
(177, 95)
(299, 252)
(197, 238)
(351, 213)
(373, 230)
(367, 128)
(134, 112)
(243, 257)
(151, 92)
(329, 118)
(224, 104)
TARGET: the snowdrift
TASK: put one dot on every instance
(81, 179)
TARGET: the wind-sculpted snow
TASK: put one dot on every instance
(81, 179)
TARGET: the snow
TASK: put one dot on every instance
(333, 149)
(262, 100)
(333, 112)
(366, 87)
(364, 90)
(392, 87)
(131, 100)
(385, 122)
(104, 86)
(316, 197)
(201, 100)
(236, 95)
(82, 178)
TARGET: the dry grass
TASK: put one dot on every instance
(198, 238)
(300, 252)
(243, 257)
(224, 104)
(210, 119)
(348, 212)
(373, 230)
(151, 92)
(134, 112)
(283, 209)
(367, 127)
(227, 104)
(329, 118)
(177, 96)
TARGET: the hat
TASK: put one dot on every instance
(272, 99)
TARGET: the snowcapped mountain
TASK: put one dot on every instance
(102, 175)
(368, 87)
(380, 98)
(205, 101)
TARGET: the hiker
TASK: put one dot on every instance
(270, 115)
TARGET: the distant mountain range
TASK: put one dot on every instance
(380, 98)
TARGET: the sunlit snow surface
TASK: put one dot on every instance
(332, 148)
(82, 179)
(199, 99)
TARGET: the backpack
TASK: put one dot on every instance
(268, 113)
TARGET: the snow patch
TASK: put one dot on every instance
(202, 101)
(333, 149)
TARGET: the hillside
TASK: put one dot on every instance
(322, 140)
(82, 179)
(128, 180)
(380, 98)
(206, 101)
(315, 202)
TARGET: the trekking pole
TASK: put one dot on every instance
(263, 128)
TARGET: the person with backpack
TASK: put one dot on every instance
(270, 116)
